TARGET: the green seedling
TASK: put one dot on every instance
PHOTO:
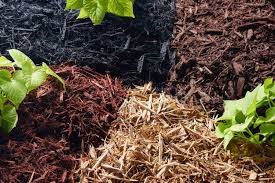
(251, 118)
(17, 79)
(96, 9)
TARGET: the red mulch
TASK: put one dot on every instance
(224, 48)
(56, 127)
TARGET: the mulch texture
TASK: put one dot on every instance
(158, 140)
(55, 128)
(224, 48)
(134, 49)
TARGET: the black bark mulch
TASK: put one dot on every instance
(134, 49)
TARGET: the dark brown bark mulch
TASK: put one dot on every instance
(56, 127)
(224, 48)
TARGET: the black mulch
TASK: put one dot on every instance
(134, 49)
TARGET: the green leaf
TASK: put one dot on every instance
(15, 91)
(32, 80)
(4, 62)
(15, 85)
(221, 128)
(270, 114)
(36, 79)
(83, 14)
(255, 139)
(250, 102)
(73, 4)
(50, 72)
(258, 129)
(268, 83)
(96, 10)
(5, 76)
(239, 117)
(272, 90)
(231, 107)
(19, 75)
(3, 100)
(121, 7)
(227, 138)
(21, 60)
(262, 97)
(242, 126)
(270, 117)
(267, 128)
(8, 118)
(260, 120)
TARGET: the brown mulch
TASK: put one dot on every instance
(224, 48)
(56, 127)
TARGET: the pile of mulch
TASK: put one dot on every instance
(55, 128)
(134, 49)
(156, 139)
(224, 48)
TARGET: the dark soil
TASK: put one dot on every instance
(224, 48)
(133, 49)
(55, 128)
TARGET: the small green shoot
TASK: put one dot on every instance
(251, 118)
(22, 77)
(96, 9)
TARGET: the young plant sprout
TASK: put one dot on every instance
(251, 118)
(18, 78)
(96, 9)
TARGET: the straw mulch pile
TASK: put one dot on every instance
(156, 139)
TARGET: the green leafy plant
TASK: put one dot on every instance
(96, 9)
(17, 79)
(251, 118)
